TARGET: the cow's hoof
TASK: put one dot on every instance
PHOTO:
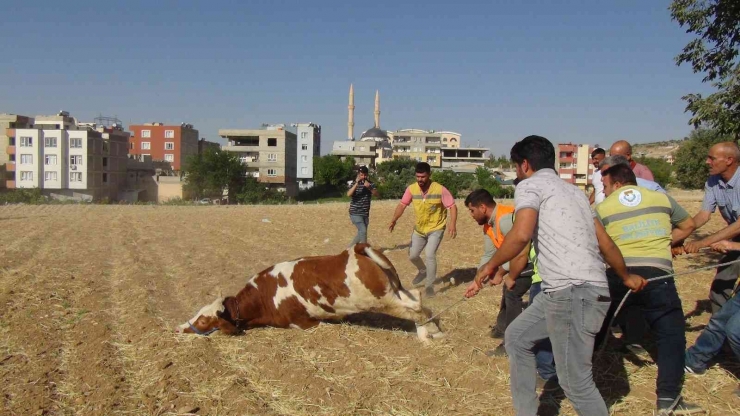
(423, 334)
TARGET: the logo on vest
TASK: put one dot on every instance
(630, 198)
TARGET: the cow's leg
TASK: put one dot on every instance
(304, 323)
(407, 305)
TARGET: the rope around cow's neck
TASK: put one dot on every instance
(624, 299)
(442, 311)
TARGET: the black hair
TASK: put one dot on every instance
(621, 173)
(423, 167)
(536, 150)
(363, 169)
(598, 151)
(478, 197)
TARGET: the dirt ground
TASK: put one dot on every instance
(89, 296)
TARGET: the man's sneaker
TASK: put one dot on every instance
(689, 370)
(429, 292)
(419, 279)
(677, 407)
(499, 351)
(497, 333)
(548, 385)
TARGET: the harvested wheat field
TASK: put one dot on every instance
(90, 295)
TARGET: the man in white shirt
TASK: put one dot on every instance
(598, 193)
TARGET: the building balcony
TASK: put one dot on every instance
(10, 150)
(10, 132)
(10, 184)
(10, 167)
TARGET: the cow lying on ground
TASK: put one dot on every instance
(303, 292)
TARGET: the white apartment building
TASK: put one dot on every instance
(423, 145)
(309, 147)
(63, 157)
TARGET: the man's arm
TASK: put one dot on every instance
(352, 189)
(701, 218)
(727, 233)
(592, 197)
(613, 257)
(396, 215)
(452, 222)
(682, 230)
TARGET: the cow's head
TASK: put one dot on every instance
(209, 318)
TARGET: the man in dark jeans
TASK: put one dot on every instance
(645, 224)
(497, 220)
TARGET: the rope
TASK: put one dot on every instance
(442, 311)
(624, 299)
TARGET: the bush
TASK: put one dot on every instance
(24, 196)
(690, 165)
(662, 170)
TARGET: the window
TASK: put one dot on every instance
(26, 159)
(131, 146)
(146, 134)
(272, 157)
(105, 178)
(169, 145)
(304, 171)
(50, 176)
(50, 142)
(26, 141)
(245, 159)
(169, 134)
(75, 176)
(146, 145)
(272, 142)
(26, 175)
(169, 157)
(75, 160)
(106, 147)
(271, 172)
(304, 134)
(304, 158)
(50, 160)
(105, 161)
(304, 147)
(75, 143)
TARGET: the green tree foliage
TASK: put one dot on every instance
(714, 52)
(661, 169)
(487, 181)
(210, 173)
(394, 176)
(454, 182)
(690, 159)
(330, 170)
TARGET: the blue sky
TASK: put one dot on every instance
(585, 71)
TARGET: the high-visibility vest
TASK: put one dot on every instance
(431, 214)
(533, 259)
(494, 232)
(639, 222)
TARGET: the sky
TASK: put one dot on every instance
(580, 71)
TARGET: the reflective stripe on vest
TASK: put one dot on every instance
(431, 215)
(494, 232)
(639, 222)
(533, 259)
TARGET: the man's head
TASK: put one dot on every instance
(614, 160)
(532, 154)
(362, 173)
(616, 177)
(623, 148)
(423, 174)
(723, 157)
(597, 156)
(480, 203)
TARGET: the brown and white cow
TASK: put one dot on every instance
(303, 292)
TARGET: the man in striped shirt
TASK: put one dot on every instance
(361, 191)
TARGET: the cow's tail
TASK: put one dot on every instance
(376, 257)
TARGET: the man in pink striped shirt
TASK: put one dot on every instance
(622, 147)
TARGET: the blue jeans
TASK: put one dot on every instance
(361, 222)
(543, 350)
(725, 324)
(571, 318)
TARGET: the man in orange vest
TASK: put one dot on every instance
(497, 220)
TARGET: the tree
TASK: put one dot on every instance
(714, 52)
(210, 173)
(394, 176)
(332, 171)
(690, 164)
(487, 181)
(661, 169)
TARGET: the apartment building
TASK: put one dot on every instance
(170, 143)
(363, 152)
(423, 145)
(574, 163)
(464, 159)
(308, 148)
(68, 159)
(9, 121)
(269, 154)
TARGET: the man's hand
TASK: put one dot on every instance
(635, 282)
(509, 282)
(391, 226)
(694, 246)
(452, 231)
(472, 290)
(722, 246)
(367, 184)
(357, 179)
(677, 251)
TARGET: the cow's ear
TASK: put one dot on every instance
(227, 327)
